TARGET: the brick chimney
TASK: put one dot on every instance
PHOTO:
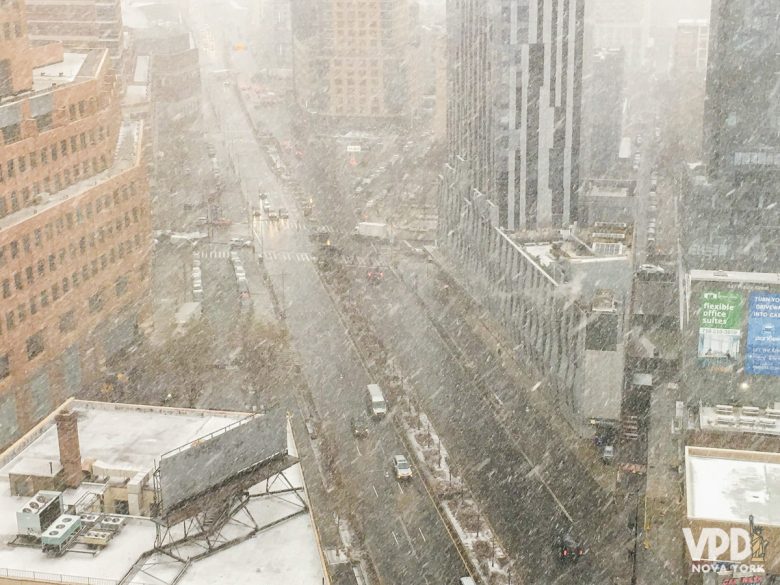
(70, 451)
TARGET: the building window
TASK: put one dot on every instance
(10, 320)
(18, 281)
(5, 366)
(121, 285)
(28, 272)
(65, 285)
(44, 298)
(96, 302)
(11, 133)
(6, 288)
(35, 345)
(43, 122)
(33, 306)
(68, 321)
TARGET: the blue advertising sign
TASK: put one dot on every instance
(763, 340)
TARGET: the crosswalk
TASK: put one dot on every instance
(223, 253)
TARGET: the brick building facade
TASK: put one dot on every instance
(74, 232)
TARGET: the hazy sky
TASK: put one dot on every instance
(668, 12)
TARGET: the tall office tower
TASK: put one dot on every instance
(619, 24)
(742, 111)
(683, 108)
(79, 26)
(74, 227)
(514, 107)
(603, 104)
(274, 40)
(691, 43)
(732, 216)
(354, 59)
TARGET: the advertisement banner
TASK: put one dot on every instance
(763, 338)
(720, 321)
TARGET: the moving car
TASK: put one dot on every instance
(359, 427)
(401, 467)
(569, 550)
(375, 275)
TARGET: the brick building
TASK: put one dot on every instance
(74, 229)
(356, 60)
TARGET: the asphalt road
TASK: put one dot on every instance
(407, 541)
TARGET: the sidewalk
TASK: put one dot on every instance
(430, 277)
(660, 552)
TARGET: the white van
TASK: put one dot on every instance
(377, 404)
(467, 581)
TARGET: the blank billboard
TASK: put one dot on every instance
(211, 461)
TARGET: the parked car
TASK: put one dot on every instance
(283, 213)
(240, 243)
(359, 427)
(273, 215)
(401, 467)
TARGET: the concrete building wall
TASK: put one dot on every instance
(547, 327)
(15, 67)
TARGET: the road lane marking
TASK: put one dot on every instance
(399, 486)
(376, 493)
(395, 538)
(421, 534)
(409, 538)
(357, 446)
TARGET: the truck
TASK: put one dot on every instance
(379, 231)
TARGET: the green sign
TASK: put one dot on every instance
(720, 328)
(721, 310)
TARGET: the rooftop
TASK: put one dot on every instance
(58, 73)
(735, 277)
(124, 440)
(727, 485)
(589, 261)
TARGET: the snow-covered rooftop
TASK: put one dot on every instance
(126, 437)
(59, 73)
(727, 485)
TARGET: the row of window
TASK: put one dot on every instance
(61, 288)
(51, 153)
(36, 343)
(61, 181)
(11, 31)
(67, 221)
(96, 237)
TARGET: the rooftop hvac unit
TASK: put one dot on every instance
(114, 523)
(96, 537)
(60, 532)
(89, 519)
(38, 513)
